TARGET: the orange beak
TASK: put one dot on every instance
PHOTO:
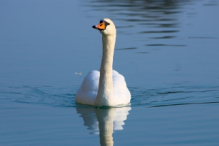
(100, 26)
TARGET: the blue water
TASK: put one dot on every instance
(166, 50)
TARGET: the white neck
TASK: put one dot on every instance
(105, 96)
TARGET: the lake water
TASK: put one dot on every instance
(168, 51)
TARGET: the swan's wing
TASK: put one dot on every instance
(88, 90)
(121, 93)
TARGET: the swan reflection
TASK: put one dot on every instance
(104, 121)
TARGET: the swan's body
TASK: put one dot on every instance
(107, 87)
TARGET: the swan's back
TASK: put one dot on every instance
(88, 91)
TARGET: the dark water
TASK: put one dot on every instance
(168, 51)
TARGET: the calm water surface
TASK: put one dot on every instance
(168, 52)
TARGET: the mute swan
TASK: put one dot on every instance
(107, 87)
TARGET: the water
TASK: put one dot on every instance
(167, 51)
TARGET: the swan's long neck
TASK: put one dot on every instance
(105, 95)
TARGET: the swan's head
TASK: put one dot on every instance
(106, 27)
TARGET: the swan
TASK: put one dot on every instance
(105, 87)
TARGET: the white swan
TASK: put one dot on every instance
(107, 87)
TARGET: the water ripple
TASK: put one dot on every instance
(182, 95)
(39, 95)
(64, 97)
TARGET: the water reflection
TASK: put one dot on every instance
(155, 19)
(158, 13)
(103, 121)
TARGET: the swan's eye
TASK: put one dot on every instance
(107, 23)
